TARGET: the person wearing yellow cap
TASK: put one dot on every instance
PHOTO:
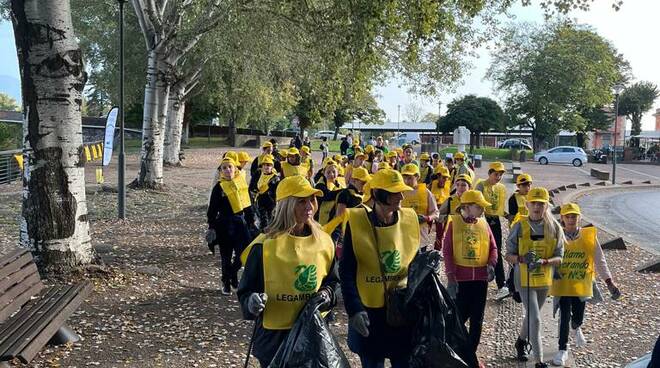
(391, 234)
(230, 218)
(392, 158)
(264, 185)
(440, 188)
(266, 150)
(306, 160)
(495, 193)
(330, 188)
(462, 184)
(535, 247)
(358, 161)
(292, 165)
(243, 160)
(408, 157)
(436, 161)
(421, 200)
(517, 207)
(291, 262)
(583, 259)
(425, 168)
(470, 254)
(461, 166)
(380, 145)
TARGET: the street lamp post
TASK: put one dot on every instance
(618, 88)
(121, 180)
(398, 123)
(437, 130)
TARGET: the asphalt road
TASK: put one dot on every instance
(634, 215)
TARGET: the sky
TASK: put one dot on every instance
(632, 30)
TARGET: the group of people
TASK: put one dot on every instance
(360, 220)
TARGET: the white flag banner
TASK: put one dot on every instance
(111, 121)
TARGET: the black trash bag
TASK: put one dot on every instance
(440, 339)
(310, 343)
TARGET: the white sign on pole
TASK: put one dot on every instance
(111, 121)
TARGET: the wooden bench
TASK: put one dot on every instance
(600, 174)
(31, 314)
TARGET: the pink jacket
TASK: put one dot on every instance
(460, 273)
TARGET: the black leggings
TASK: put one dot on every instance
(571, 310)
(471, 303)
(496, 228)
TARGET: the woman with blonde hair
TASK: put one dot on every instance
(290, 263)
(535, 246)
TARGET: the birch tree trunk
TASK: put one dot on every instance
(172, 144)
(54, 224)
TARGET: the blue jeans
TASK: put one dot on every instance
(373, 362)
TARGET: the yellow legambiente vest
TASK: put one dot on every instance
(417, 200)
(521, 201)
(496, 195)
(308, 164)
(544, 248)
(237, 192)
(291, 170)
(264, 180)
(294, 268)
(440, 194)
(397, 245)
(471, 243)
(424, 172)
(577, 266)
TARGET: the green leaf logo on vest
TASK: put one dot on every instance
(306, 280)
(391, 261)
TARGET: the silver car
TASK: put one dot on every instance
(562, 155)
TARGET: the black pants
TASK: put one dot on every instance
(471, 303)
(369, 362)
(233, 236)
(571, 309)
(496, 228)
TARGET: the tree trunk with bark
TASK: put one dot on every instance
(173, 127)
(54, 223)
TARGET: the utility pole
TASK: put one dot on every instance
(617, 91)
(398, 123)
(121, 180)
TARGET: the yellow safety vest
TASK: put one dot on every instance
(237, 192)
(454, 203)
(397, 246)
(471, 243)
(342, 181)
(496, 195)
(544, 248)
(521, 201)
(424, 172)
(577, 266)
(291, 170)
(441, 194)
(294, 268)
(264, 180)
(308, 164)
(417, 199)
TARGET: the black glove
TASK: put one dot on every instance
(434, 260)
(324, 298)
(529, 257)
(257, 303)
(360, 323)
(491, 273)
(452, 289)
(210, 236)
(614, 290)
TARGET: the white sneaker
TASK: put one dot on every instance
(580, 340)
(560, 358)
(502, 293)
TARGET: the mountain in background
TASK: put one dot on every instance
(11, 86)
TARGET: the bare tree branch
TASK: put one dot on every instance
(145, 24)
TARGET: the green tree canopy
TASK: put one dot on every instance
(634, 102)
(478, 114)
(8, 103)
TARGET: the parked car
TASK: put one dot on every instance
(517, 143)
(406, 138)
(562, 155)
(329, 134)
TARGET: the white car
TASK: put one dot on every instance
(562, 155)
(406, 138)
(329, 134)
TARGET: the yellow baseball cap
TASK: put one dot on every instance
(367, 192)
(268, 159)
(384, 165)
(538, 194)
(295, 186)
(391, 154)
(357, 148)
(399, 150)
(410, 169)
(228, 160)
(232, 155)
(389, 180)
(368, 149)
(267, 144)
(474, 196)
(465, 177)
(442, 170)
(424, 156)
(496, 166)
(523, 178)
(459, 156)
(337, 157)
(283, 153)
(293, 151)
(570, 209)
(329, 162)
(361, 173)
(305, 149)
(244, 157)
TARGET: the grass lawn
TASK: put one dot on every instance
(134, 145)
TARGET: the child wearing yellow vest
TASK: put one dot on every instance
(535, 246)
(422, 201)
(440, 187)
(330, 188)
(470, 255)
(583, 258)
(425, 168)
(292, 165)
(495, 193)
(230, 218)
(306, 161)
(264, 184)
(290, 263)
(462, 184)
(517, 207)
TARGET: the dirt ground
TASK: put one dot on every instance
(157, 302)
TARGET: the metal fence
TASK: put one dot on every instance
(9, 170)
